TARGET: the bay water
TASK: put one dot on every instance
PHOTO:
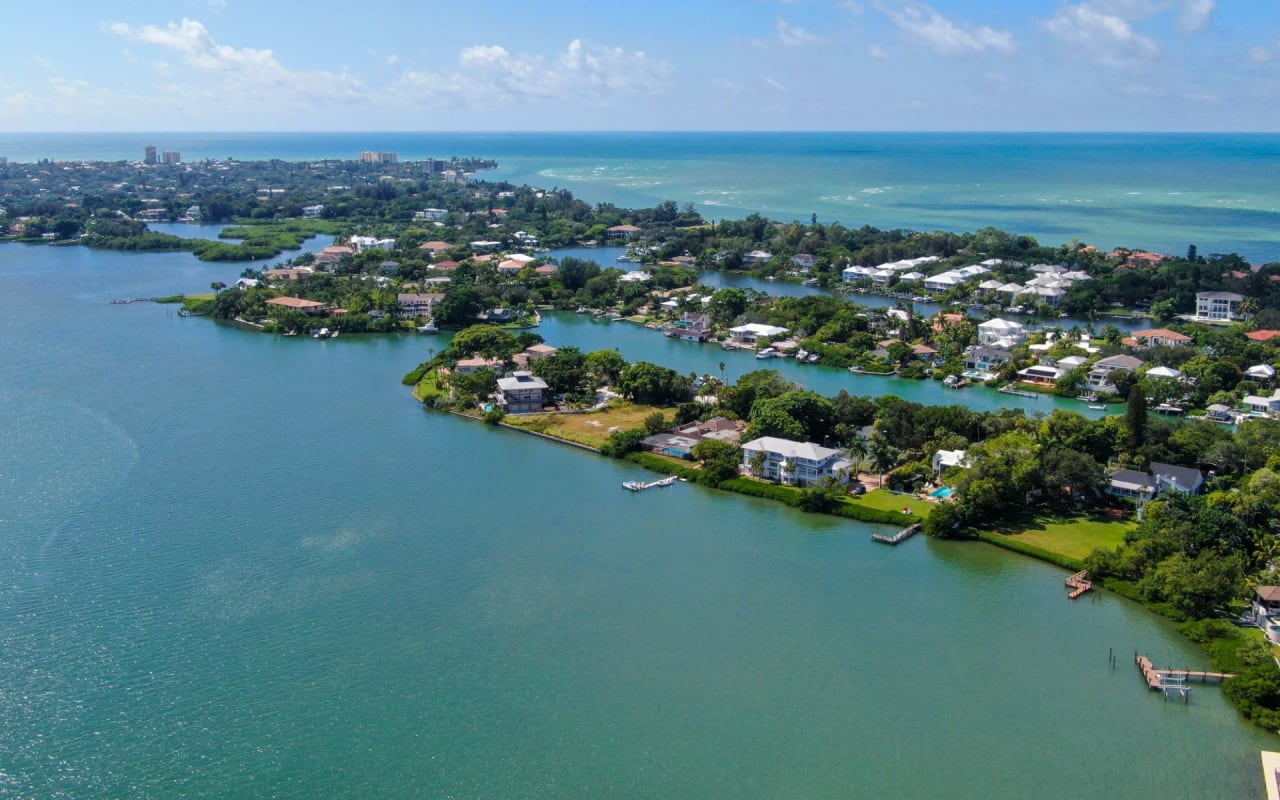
(234, 565)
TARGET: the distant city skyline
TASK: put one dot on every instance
(228, 65)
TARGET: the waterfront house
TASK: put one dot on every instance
(1100, 374)
(756, 257)
(1218, 306)
(1132, 484)
(287, 274)
(692, 327)
(312, 212)
(1263, 404)
(435, 248)
(804, 261)
(670, 444)
(622, 231)
(1156, 337)
(1040, 375)
(417, 304)
(1218, 412)
(795, 463)
(944, 460)
(521, 393)
(245, 283)
(751, 333)
(311, 307)
(943, 281)
(985, 359)
(1171, 477)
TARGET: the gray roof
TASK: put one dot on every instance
(1184, 476)
(1133, 477)
(789, 449)
(521, 380)
(1119, 362)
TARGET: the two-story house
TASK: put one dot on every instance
(1100, 374)
(521, 393)
(1218, 306)
(794, 463)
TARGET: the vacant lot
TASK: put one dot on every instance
(1074, 537)
(592, 428)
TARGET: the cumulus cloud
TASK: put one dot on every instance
(248, 70)
(486, 72)
(945, 37)
(793, 35)
(1107, 38)
(1189, 15)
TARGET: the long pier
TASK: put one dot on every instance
(1174, 681)
(897, 538)
(1078, 584)
(1009, 389)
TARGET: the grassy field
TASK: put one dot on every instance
(591, 429)
(1073, 538)
(887, 501)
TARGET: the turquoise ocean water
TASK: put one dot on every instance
(1162, 192)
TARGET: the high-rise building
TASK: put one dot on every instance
(149, 156)
(171, 157)
(373, 157)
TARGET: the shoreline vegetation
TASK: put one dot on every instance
(427, 247)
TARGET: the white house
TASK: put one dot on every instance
(312, 212)
(1164, 372)
(1001, 333)
(795, 463)
(362, 243)
(753, 332)
(1131, 483)
(944, 460)
(757, 257)
(1262, 404)
(943, 281)
(1218, 306)
(1262, 373)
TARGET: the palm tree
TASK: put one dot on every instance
(858, 448)
(883, 457)
(722, 372)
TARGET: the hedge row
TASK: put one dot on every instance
(1010, 543)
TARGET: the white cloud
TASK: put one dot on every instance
(1189, 15)
(244, 70)
(876, 51)
(793, 35)
(1106, 38)
(1196, 14)
(945, 37)
(775, 85)
(489, 71)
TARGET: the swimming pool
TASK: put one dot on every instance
(941, 493)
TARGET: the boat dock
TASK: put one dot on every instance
(1009, 389)
(1078, 584)
(640, 486)
(1173, 681)
(897, 538)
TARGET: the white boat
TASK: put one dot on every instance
(1098, 406)
(334, 334)
(640, 486)
(768, 352)
(323, 333)
(430, 327)
(813, 358)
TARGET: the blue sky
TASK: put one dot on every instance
(213, 65)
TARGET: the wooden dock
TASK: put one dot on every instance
(897, 538)
(1174, 681)
(1078, 584)
(1009, 388)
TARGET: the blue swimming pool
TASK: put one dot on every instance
(941, 492)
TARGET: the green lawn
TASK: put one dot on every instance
(1073, 538)
(887, 501)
